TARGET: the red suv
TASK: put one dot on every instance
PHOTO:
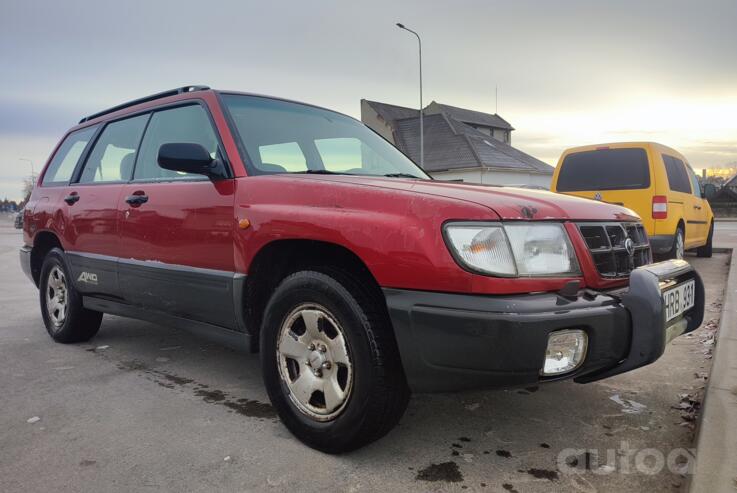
(298, 232)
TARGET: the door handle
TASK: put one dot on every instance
(72, 198)
(697, 207)
(137, 199)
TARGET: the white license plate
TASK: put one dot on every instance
(679, 299)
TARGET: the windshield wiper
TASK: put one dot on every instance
(403, 175)
(320, 172)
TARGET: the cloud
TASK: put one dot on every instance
(36, 118)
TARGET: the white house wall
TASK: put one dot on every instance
(493, 177)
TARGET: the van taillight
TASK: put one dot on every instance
(660, 207)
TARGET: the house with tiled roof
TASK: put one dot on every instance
(460, 144)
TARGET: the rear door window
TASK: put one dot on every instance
(604, 169)
(66, 158)
(114, 155)
(678, 180)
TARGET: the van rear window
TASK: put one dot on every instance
(604, 169)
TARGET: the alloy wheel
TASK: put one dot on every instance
(314, 362)
(57, 297)
(680, 249)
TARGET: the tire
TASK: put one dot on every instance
(676, 251)
(66, 320)
(372, 393)
(706, 250)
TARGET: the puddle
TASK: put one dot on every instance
(628, 406)
(445, 471)
(543, 474)
(243, 406)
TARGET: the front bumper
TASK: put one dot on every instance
(454, 341)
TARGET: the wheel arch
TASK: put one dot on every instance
(43, 243)
(681, 223)
(279, 258)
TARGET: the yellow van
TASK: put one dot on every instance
(651, 179)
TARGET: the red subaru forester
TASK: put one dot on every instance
(296, 231)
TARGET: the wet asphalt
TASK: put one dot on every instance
(148, 407)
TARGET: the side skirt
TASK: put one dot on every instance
(238, 341)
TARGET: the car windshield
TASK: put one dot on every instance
(285, 137)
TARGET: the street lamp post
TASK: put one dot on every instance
(422, 133)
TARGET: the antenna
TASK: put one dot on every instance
(496, 99)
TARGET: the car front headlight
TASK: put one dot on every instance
(513, 249)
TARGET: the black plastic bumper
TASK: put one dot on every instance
(25, 262)
(454, 341)
(661, 244)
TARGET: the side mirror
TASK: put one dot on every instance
(189, 158)
(709, 191)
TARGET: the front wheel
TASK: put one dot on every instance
(64, 316)
(330, 362)
(706, 250)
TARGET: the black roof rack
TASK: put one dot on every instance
(146, 99)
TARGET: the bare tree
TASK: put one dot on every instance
(27, 189)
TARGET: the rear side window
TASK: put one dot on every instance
(604, 169)
(66, 158)
(185, 124)
(278, 158)
(114, 155)
(340, 154)
(678, 180)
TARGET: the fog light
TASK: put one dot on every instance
(566, 351)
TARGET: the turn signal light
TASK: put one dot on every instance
(660, 207)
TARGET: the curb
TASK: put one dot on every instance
(715, 467)
(725, 219)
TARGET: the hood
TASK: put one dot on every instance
(507, 203)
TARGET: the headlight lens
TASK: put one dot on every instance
(522, 249)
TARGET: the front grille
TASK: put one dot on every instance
(606, 242)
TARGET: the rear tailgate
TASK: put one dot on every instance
(613, 174)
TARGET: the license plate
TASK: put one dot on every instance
(679, 299)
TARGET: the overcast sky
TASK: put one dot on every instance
(568, 72)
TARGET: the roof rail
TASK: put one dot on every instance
(146, 99)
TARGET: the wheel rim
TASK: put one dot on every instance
(314, 362)
(679, 245)
(57, 298)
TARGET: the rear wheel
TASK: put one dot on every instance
(678, 249)
(65, 318)
(330, 362)
(706, 250)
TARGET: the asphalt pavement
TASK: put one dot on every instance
(148, 407)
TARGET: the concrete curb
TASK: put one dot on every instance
(725, 219)
(716, 444)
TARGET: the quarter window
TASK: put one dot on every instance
(694, 182)
(114, 155)
(677, 178)
(66, 158)
(185, 124)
